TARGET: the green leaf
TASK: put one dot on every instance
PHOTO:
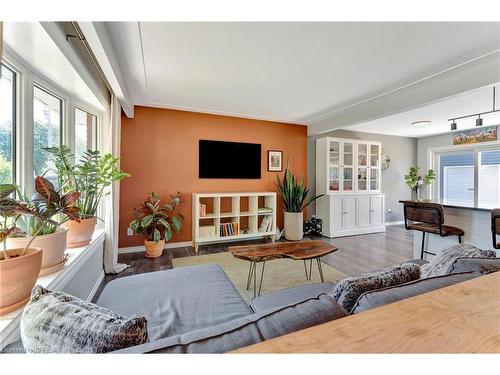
(6, 190)
(134, 224)
(164, 223)
(177, 223)
(168, 234)
(156, 235)
(147, 220)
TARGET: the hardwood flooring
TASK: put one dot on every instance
(356, 254)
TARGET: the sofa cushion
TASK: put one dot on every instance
(176, 301)
(440, 263)
(248, 330)
(483, 266)
(375, 298)
(289, 296)
(348, 290)
(55, 322)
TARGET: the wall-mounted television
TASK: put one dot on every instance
(220, 159)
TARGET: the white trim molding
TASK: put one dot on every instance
(395, 222)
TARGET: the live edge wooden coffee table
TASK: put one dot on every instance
(301, 250)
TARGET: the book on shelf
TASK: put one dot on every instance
(266, 224)
(228, 229)
(206, 231)
(203, 210)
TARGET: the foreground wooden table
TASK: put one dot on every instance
(462, 318)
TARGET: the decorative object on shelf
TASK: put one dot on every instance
(91, 176)
(279, 233)
(44, 230)
(313, 226)
(274, 161)
(294, 194)
(418, 183)
(475, 135)
(157, 222)
(386, 161)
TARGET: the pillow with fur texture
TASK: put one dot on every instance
(56, 322)
(441, 262)
(347, 291)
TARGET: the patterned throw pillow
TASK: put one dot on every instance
(56, 322)
(347, 291)
(440, 263)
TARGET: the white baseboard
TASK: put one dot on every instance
(95, 287)
(136, 249)
(394, 223)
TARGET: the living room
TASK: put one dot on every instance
(249, 187)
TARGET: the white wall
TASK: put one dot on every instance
(403, 154)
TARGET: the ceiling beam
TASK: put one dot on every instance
(97, 38)
(479, 72)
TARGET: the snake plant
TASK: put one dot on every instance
(294, 192)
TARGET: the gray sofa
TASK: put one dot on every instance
(198, 310)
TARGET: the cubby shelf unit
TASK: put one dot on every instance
(241, 208)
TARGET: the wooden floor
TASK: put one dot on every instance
(356, 254)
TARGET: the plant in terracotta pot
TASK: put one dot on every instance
(19, 267)
(91, 176)
(157, 222)
(50, 208)
(294, 194)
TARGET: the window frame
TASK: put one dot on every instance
(15, 105)
(26, 79)
(435, 153)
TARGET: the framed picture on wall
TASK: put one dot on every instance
(274, 161)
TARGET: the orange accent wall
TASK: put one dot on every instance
(159, 147)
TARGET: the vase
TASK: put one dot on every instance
(80, 233)
(294, 226)
(18, 275)
(53, 247)
(154, 249)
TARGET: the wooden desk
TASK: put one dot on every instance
(462, 318)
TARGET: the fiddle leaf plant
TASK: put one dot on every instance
(156, 221)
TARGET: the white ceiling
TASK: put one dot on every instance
(294, 72)
(470, 102)
(31, 43)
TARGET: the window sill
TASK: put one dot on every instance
(57, 280)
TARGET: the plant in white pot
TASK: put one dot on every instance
(157, 222)
(91, 176)
(294, 194)
(19, 267)
(50, 208)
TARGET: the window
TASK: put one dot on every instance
(470, 178)
(7, 124)
(85, 132)
(47, 121)
(457, 179)
(489, 179)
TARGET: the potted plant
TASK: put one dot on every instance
(157, 222)
(294, 194)
(19, 267)
(91, 176)
(42, 228)
(417, 183)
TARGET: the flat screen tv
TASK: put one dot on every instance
(220, 159)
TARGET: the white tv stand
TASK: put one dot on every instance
(241, 208)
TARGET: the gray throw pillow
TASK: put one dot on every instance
(440, 263)
(483, 266)
(347, 291)
(56, 322)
